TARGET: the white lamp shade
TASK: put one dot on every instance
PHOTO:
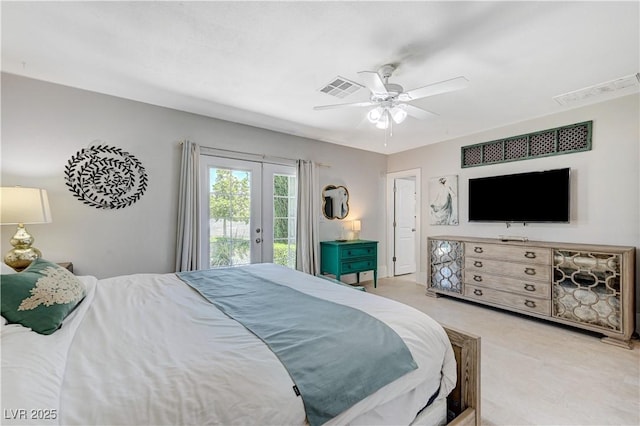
(356, 225)
(383, 121)
(24, 205)
(375, 114)
(398, 114)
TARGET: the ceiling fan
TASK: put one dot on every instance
(390, 100)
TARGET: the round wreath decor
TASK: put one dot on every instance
(105, 177)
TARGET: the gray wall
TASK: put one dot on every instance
(605, 187)
(44, 125)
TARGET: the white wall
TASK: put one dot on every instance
(605, 187)
(44, 125)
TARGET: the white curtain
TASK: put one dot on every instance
(307, 238)
(188, 253)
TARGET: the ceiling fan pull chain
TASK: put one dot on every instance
(386, 136)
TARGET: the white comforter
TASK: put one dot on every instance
(147, 349)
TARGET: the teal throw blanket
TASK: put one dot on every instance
(336, 355)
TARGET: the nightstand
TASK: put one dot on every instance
(348, 257)
(67, 265)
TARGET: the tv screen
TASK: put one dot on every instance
(524, 197)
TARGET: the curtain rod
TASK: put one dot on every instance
(285, 160)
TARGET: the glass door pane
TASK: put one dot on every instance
(279, 214)
(284, 220)
(229, 203)
(231, 211)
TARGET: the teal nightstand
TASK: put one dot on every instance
(349, 257)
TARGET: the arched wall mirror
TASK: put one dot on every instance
(335, 202)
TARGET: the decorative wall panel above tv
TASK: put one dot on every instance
(561, 140)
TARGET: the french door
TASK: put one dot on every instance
(249, 212)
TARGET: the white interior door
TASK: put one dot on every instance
(405, 226)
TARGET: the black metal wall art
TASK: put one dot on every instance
(105, 177)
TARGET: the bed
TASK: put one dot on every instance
(154, 349)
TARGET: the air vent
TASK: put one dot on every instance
(340, 87)
(561, 140)
(601, 89)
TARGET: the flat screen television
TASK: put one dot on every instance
(523, 197)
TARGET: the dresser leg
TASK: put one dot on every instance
(432, 293)
(375, 278)
(627, 344)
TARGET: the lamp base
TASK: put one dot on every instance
(22, 253)
(19, 259)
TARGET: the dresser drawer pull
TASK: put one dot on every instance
(349, 252)
(530, 271)
(530, 287)
(477, 264)
(478, 250)
(530, 254)
(477, 278)
(530, 303)
(477, 292)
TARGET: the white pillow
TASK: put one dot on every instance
(6, 269)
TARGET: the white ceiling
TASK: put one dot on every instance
(263, 63)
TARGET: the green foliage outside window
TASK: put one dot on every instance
(284, 248)
(230, 198)
(225, 251)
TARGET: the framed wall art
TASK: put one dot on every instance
(443, 200)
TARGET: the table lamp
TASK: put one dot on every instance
(356, 226)
(18, 206)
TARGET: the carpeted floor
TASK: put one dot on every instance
(535, 372)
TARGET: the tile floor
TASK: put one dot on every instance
(535, 372)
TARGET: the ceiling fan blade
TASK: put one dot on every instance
(416, 112)
(353, 104)
(372, 80)
(434, 89)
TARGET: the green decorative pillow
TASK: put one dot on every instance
(41, 296)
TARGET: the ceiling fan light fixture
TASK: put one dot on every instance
(375, 114)
(383, 121)
(398, 114)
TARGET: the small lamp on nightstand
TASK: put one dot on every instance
(356, 226)
(18, 206)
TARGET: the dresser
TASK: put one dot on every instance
(582, 285)
(349, 257)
